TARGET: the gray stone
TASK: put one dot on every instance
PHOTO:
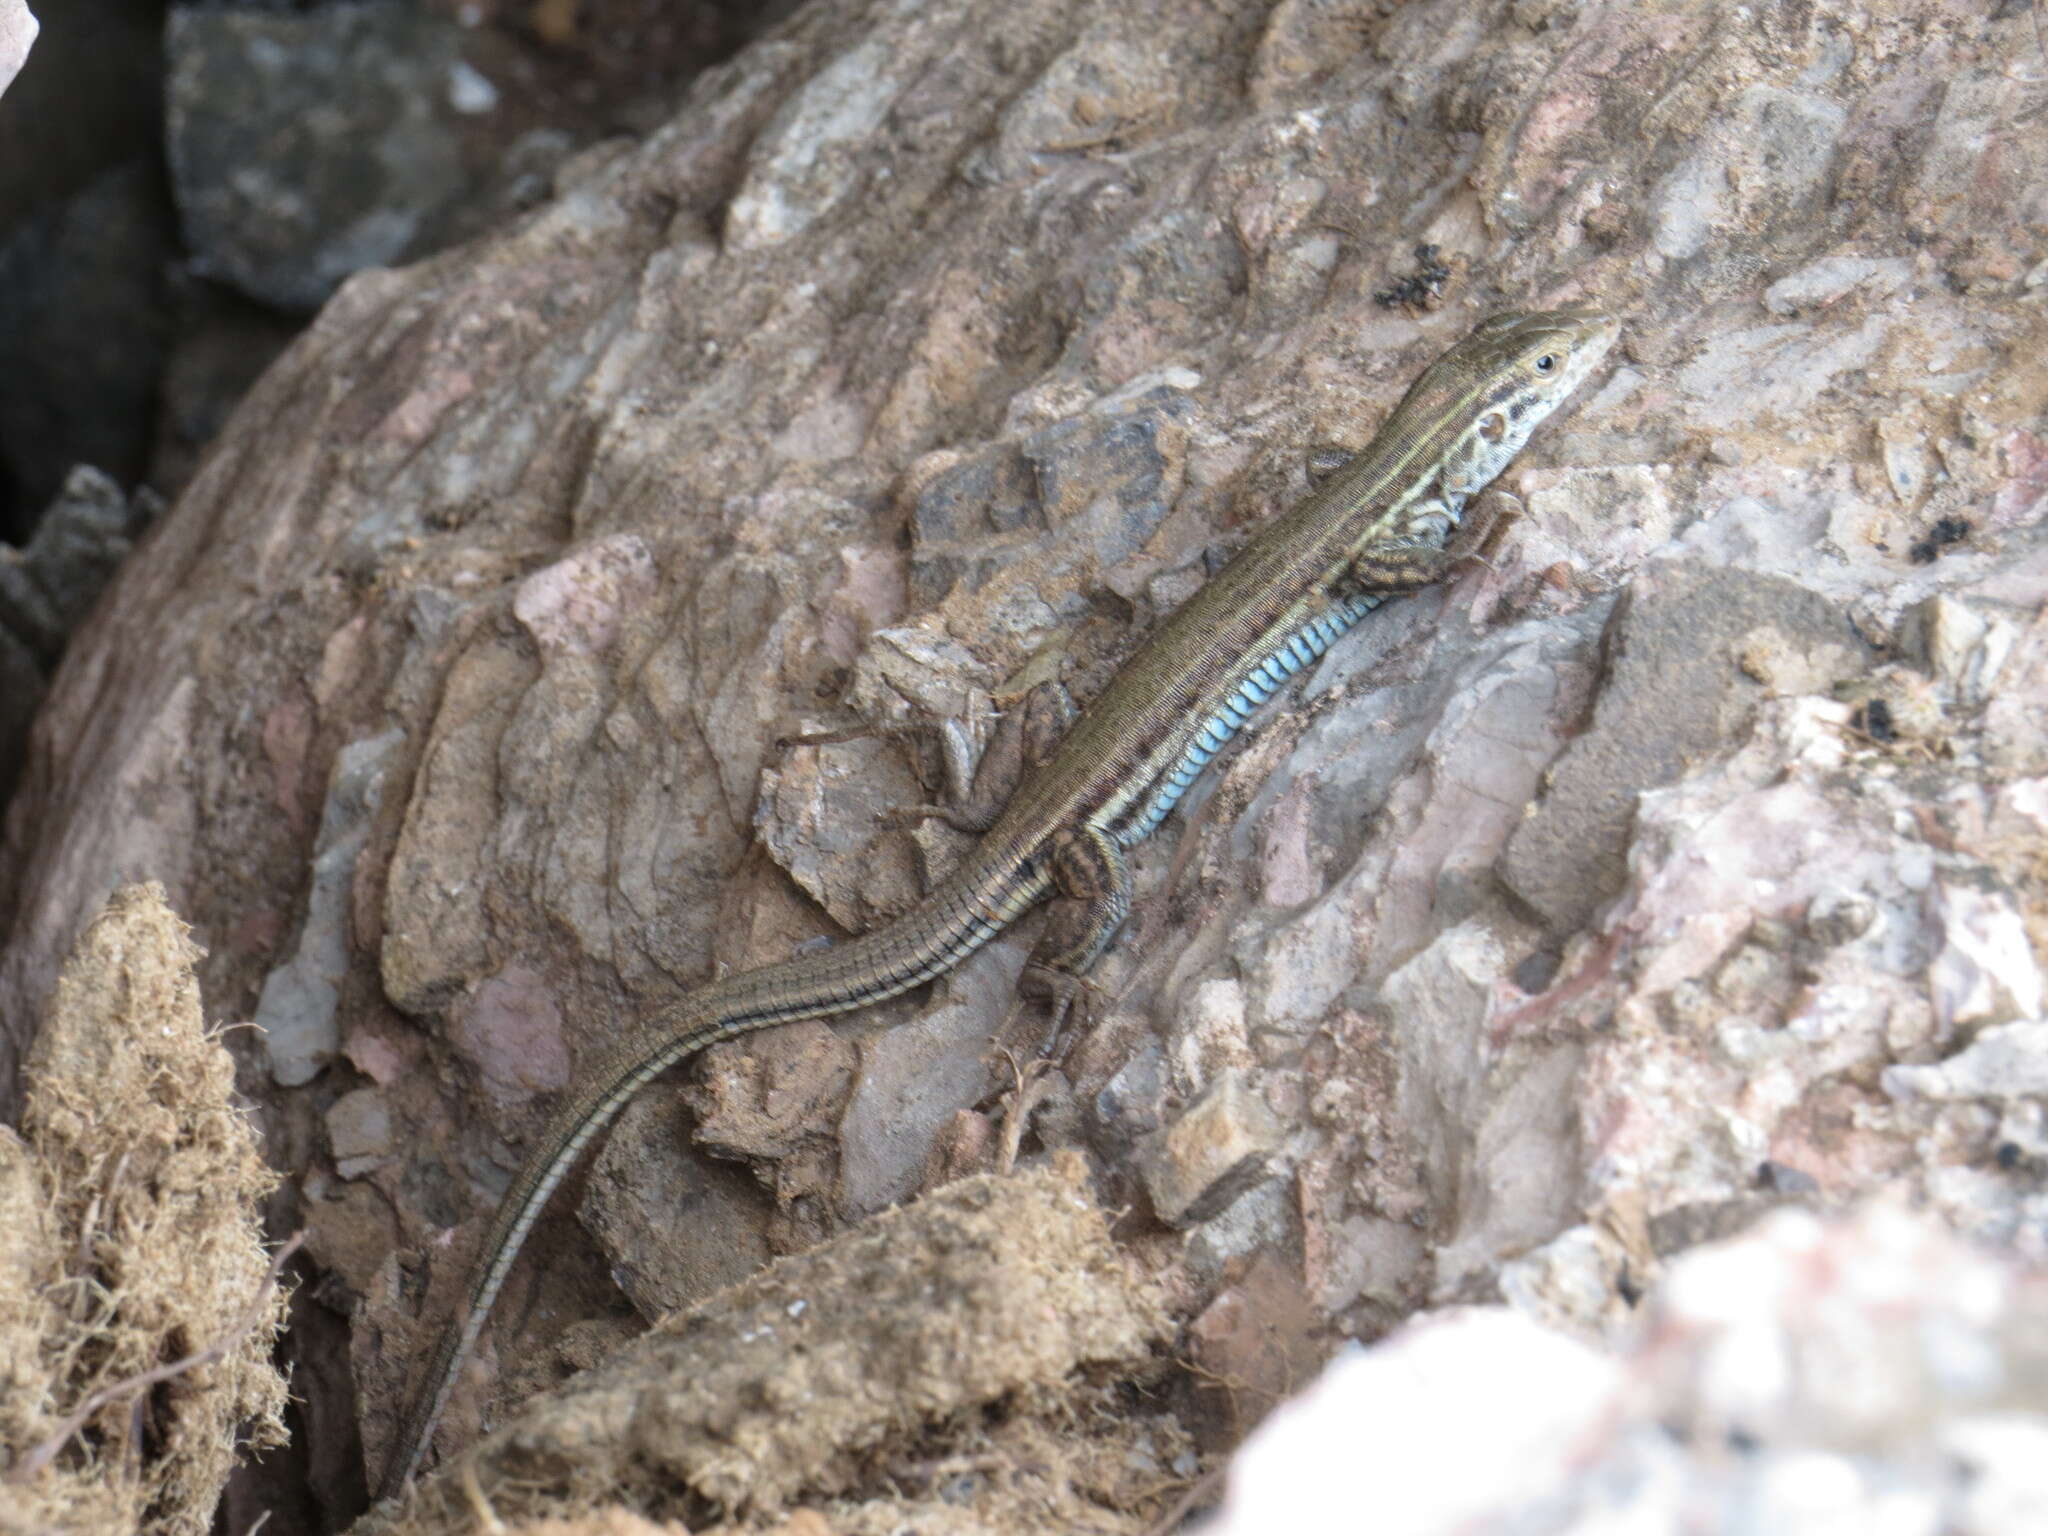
(47, 588)
(1823, 282)
(1756, 169)
(2006, 1061)
(1962, 649)
(914, 1077)
(305, 146)
(676, 1224)
(297, 1009)
(221, 342)
(1685, 654)
(1129, 1104)
(1114, 470)
(21, 694)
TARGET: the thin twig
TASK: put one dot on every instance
(42, 1455)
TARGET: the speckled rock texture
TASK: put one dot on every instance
(568, 616)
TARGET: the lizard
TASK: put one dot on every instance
(1387, 522)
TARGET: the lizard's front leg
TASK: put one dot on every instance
(1024, 737)
(1437, 541)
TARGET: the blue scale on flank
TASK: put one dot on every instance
(1297, 651)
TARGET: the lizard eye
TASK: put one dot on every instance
(1546, 362)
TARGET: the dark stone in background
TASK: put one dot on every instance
(21, 695)
(305, 140)
(304, 147)
(46, 589)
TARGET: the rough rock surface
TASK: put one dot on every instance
(931, 348)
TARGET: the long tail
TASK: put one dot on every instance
(907, 953)
(574, 1126)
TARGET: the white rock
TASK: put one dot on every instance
(17, 34)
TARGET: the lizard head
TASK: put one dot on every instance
(1548, 352)
(1515, 369)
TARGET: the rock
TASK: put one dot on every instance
(1584, 1282)
(297, 1010)
(1688, 655)
(1217, 1149)
(686, 1226)
(1778, 144)
(1961, 649)
(21, 693)
(1255, 1343)
(1379, 1419)
(1731, 1408)
(1107, 479)
(1985, 971)
(47, 588)
(915, 1077)
(305, 146)
(1832, 277)
(509, 1032)
(1131, 1103)
(2006, 1061)
(220, 344)
(358, 1131)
